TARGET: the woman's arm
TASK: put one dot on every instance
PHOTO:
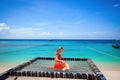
(56, 59)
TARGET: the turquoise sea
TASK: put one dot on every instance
(19, 51)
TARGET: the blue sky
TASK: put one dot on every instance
(59, 19)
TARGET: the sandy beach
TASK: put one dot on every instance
(111, 73)
(4, 68)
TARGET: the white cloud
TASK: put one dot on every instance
(22, 31)
(37, 33)
(29, 33)
(45, 33)
(3, 26)
(61, 33)
(94, 32)
(116, 5)
(97, 33)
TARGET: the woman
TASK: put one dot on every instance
(59, 63)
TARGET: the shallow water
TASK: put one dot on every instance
(19, 51)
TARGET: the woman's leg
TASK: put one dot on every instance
(67, 67)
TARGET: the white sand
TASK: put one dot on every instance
(4, 68)
(110, 71)
(112, 75)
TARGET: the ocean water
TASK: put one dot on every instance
(19, 51)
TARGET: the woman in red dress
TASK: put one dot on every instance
(59, 63)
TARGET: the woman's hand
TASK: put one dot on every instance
(62, 61)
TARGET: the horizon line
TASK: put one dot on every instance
(59, 39)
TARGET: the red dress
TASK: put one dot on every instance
(58, 65)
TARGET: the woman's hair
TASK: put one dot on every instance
(60, 47)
